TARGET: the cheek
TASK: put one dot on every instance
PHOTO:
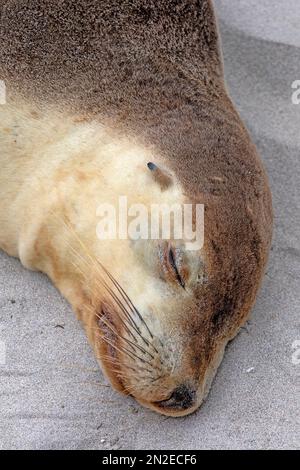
(196, 268)
(145, 258)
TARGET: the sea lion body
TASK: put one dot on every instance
(95, 91)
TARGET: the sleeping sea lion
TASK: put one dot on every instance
(106, 99)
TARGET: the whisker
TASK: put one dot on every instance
(123, 323)
(125, 311)
(123, 349)
(130, 343)
(116, 363)
(138, 346)
(126, 297)
(118, 286)
(127, 315)
(129, 319)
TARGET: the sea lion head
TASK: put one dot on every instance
(145, 297)
(165, 310)
(158, 313)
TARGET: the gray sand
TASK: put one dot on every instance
(52, 392)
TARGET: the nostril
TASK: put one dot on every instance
(183, 397)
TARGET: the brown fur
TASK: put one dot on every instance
(153, 69)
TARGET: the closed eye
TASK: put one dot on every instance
(173, 265)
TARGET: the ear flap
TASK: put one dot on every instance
(163, 178)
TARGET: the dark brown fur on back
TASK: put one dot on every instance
(110, 54)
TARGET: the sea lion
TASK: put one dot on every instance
(110, 98)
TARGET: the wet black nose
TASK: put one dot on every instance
(182, 398)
